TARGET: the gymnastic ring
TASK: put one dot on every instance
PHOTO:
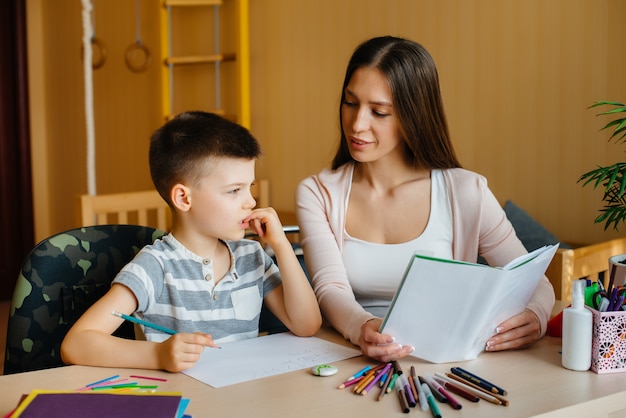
(130, 52)
(100, 47)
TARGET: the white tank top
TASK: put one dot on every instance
(375, 270)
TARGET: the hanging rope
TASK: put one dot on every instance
(137, 54)
(89, 118)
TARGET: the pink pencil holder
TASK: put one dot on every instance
(608, 348)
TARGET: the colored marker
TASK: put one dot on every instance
(431, 401)
(411, 379)
(404, 404)
(408, 392)
(612, 299)
(396, 367)
(451, 399)
(392, 383)
(436, 394)
(421, 396)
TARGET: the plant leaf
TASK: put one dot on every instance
(604, 102)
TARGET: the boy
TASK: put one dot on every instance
(202, 279)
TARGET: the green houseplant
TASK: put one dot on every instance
(612, 178)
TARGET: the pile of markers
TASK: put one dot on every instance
(610, 299)
(428, 390)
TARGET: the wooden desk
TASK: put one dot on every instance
(536, 383)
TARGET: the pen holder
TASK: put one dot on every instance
(608, 349)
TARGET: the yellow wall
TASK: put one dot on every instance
(516, 76)
(126, 105)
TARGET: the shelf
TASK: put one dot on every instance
(200, 59)
(175, 3)
(192, 38)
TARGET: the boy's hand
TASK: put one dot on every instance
(182, 351)
(265, 223)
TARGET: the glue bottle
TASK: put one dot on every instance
(577, 331)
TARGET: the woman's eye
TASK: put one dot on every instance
(234, 191)
(380, 114)
(349, 103)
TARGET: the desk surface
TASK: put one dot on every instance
(533, 377)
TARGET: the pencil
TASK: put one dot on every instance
(350, 382)
(103, 380)
(359, 373)
(148, 378)
(458, 390)
(363, 383)
(376, 379)
(478, 391)
(477, 380)
(144, 323)
(383, 390)
(367, 377)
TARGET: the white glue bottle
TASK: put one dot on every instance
(577, 331)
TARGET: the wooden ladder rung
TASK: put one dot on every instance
(199, 59)
(175, 3)
(220, 112)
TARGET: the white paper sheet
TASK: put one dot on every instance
(448, 309)
(265, 356)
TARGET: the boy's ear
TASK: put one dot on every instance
(181, 197)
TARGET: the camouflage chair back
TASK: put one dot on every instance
(60, 278)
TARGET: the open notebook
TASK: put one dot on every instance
(448, 309)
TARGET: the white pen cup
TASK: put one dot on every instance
(619, 261)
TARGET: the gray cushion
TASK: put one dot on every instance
(532, 234)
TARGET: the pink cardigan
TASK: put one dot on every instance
(479, 226)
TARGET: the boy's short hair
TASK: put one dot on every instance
(180, 148)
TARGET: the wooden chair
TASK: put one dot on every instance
(145, 208)
(590, 261)
(142, 208)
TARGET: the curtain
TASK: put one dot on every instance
(16, 211)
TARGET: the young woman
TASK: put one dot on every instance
(396, 187)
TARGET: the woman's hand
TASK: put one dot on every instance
(379, 346)
(516, 332)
